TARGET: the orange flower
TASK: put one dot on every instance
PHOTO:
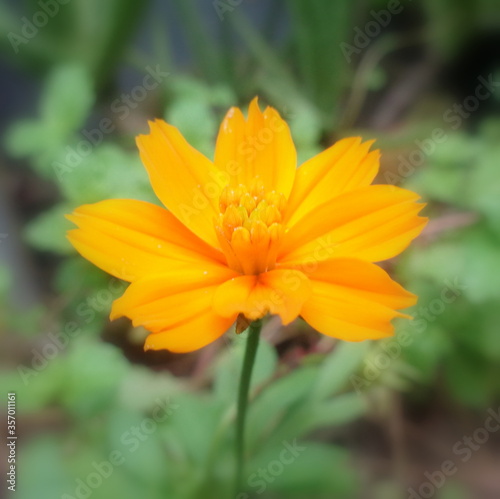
(250, 234)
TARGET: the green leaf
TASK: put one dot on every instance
(27, 137)
(342, 409)
(191, 110)
(481, 265)
(108, 172)
(484, 183)
(306, 127)
(469, 257)
(48, 231)
(193, 424)
(485, 320)
(337, 368)
(196, 121)
(116, 447)
(276, 400)
(466, 377)
(137, 436)
(463, 172)
(427, 350)
(78, 277)
(46, 470)
(90, 387)
(317, 24)
(447, 175)
(309, 470)
(39, 380)
(67, 99)
(149, 388)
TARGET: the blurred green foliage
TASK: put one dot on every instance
(175, 441)
(83, 399)
(462, 336)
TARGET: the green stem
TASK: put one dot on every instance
(246, 375)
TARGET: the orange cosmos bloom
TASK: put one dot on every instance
(250, 234)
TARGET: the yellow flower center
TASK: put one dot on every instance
(249, 227)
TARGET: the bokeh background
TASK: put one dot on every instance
(414, 416)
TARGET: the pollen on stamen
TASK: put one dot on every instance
(249, 227)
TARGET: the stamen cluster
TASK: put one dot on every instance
(249, 227)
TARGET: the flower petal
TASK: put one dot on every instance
(280, 292)
(129, 239)
(184, 180)
(203, 329)
(345, 166)
(354, 300)
(176, 307)
(260, 147)
(373, 223)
